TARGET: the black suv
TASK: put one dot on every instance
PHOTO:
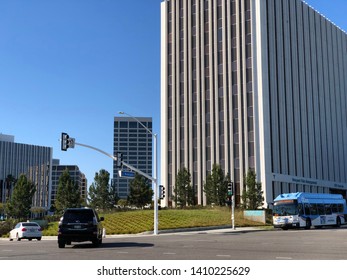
(79, 225)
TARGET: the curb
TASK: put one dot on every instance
(197, 229)
(178, 230)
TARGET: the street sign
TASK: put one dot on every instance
(128, 174)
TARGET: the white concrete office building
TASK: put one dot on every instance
(253, 84)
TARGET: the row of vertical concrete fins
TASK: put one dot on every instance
(259, 85)
(307, 94)
(201, 127)
(33, 161)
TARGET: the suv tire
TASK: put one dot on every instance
(61, 244)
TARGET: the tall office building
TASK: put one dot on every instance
(135, 143)
(75, 174)
(33, 161)
(253, 84)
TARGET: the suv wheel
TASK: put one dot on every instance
(61, 244)
(96, 242)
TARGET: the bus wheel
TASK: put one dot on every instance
(308, 223)
(338, 222)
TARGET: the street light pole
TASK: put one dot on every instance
(155, 177)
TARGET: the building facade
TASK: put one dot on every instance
(135, 143)
(75, 174)
(253, 84)
(33, 161)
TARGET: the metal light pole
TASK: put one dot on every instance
(233, 210)
(155, 178)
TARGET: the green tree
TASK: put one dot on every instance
(114, 198)
(10, 182)
(21, 199)
(68, 193)
(99, 192)
(2, 210)
(216, 186)
(141, 192)
(38, 211)
(252, 196)
(183, 191)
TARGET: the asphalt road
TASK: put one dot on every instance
(223, 244)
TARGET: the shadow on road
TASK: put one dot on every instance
(113, 245)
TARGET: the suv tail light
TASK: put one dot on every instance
(24, 229)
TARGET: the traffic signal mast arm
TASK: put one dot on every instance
(67, 142)
(115, 159)
(139, 171)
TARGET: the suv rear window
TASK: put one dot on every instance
(81, 215)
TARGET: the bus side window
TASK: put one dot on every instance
(340, 207)
(335, 208)
(301, 209)
(313, 209)
(320, 207)
(307, 209)
(327, 209)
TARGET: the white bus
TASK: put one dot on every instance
(303, 210)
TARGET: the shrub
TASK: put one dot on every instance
(6, 226)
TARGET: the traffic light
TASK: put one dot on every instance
(66, 141)
(119, 159)
(230, 188)
(161, 192)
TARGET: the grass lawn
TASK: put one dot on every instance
(137, 221)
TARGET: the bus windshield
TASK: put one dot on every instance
(285, 209)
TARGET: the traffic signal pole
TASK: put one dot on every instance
(231, 193)
(68, 142)
(233, 210)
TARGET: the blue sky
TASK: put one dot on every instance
(72, 65)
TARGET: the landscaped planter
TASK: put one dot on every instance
(255, 215)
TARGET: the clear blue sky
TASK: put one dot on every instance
(71, 65)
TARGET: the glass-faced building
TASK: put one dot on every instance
(253, 84)
(33, 161)
(134, 141)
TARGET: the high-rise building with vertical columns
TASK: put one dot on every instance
(134, 141)
(33, 161)
(253, 84)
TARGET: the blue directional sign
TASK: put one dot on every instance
(128, 174)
